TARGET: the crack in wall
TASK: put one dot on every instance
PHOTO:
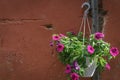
(15, 20)
(47, 26)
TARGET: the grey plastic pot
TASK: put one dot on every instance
(89, 71)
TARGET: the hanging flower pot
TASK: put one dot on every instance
(81, 54)
(82, 58)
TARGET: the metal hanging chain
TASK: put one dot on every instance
(88, 25)
(81, 25)
(85, 21)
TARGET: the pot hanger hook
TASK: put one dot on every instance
(88, 7)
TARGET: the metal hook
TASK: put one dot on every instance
(86, 4)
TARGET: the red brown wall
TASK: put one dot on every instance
(112, 32)
(25, 53)
(24, 41)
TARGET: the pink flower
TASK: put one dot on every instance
(74, 76)
(99, 35)
(60, 47)
(68, 69)
(114, 51)
(107, 66)
(90, 49)
(55, 37)
(62, 35)
(76, 65)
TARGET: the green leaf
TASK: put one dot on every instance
(81, 71)
(70, 34)
(110, 57)
(102, 62)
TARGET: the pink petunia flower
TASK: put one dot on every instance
(76, 65)
(55, 37)
(114, 51)
(60, 47)
(99, 35)
(68, 69)
(62, 35)
(107, 66)
(90, 49)
(74, 76)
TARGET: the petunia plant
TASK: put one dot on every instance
(74, 51)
